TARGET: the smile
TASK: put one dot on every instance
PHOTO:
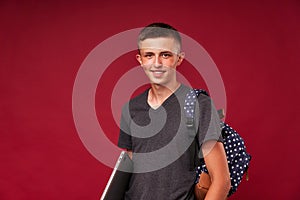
(157, 71)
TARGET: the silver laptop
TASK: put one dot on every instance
(119, 178)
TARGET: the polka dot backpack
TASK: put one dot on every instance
(237, 157)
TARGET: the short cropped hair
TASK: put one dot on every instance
(159, 29)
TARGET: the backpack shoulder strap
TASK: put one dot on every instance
(189, 105)
(189, 109)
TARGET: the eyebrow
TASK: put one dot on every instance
(170, 52)
(150, 52)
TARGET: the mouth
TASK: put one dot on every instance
(157, 73)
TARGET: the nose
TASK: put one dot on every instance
(157, 62)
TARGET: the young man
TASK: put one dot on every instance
(154, 131)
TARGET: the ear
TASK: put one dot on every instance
(138, 58)
(180, 58)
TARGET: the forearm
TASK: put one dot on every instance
(217, 166)
(218, 189)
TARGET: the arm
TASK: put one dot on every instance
(216, 163)
(124, 141)
(129, 153)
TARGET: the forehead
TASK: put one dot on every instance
(159, 44)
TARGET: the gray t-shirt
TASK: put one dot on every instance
(161, 144)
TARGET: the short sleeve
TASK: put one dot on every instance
(209, 121)
(125, 134)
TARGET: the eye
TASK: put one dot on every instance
(148, 56)
(166, 55)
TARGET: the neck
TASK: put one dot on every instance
(159, 93)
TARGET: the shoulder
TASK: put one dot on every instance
(142, 97)
(203, 95)
(205, 103)
(202, 98)
(137, 102)
(183, 90)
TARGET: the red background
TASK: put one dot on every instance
(43, 43)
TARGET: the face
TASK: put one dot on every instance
(159, 58)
